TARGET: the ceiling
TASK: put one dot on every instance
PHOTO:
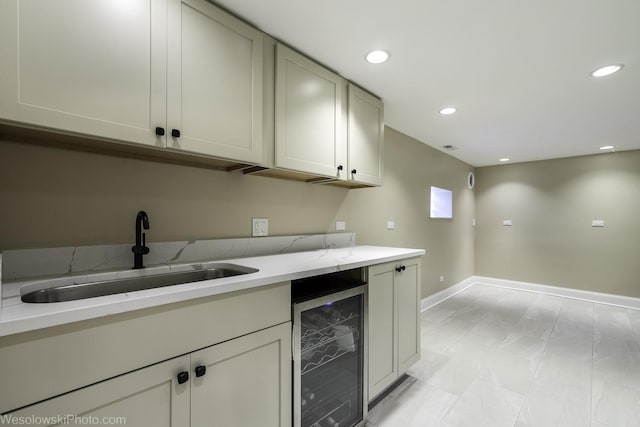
(518, 71)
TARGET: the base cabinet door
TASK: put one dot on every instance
(245, 382)
(150, 397)
(408, 295)
(383, 326)
(394, 322)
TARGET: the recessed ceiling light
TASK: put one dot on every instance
(605, 71)
(505, 159)
(607, 147)
(448, 110)
(377, 56)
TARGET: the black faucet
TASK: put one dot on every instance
(142, 220)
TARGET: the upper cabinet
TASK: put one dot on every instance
(189, 80)
(365, 137)
(91, 67)
(214, 82)
(326, 129)
(165, 73)
(309, 132)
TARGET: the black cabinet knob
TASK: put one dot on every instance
(183, 377)
(200, 370)
(340, 167)
(159, 131)
(175, 133)
(353, 171)
(403, 267)
(400, 268)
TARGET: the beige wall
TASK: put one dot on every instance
(552, 204)
(411, 168)
(53, 197)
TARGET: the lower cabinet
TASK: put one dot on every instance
(394, 321)
(148, 397)
(243, 382)
(247, 381)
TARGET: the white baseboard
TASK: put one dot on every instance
(597, 297)
(446, 293)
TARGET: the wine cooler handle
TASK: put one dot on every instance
(293, 343)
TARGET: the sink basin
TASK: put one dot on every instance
(76, 291)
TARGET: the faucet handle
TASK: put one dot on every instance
(145, 249)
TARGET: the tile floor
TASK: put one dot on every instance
(499, 357)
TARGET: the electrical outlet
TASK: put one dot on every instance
(441, 279)
(341, 225)
(597, 223)
(260, 227)
(391, 225)
(507, 222)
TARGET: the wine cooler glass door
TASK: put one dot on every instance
(329, 360)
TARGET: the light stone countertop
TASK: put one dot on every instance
(17, 317)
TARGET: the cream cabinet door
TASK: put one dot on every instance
(246, 382)
(214, 83)
(90, 67)
(383, 329)
(394, 321)
(149, 397)
(365, 137)
(408, 295)
(310, 136)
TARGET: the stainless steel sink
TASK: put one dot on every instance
(76, 291)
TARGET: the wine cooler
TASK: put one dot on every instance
(329, 350)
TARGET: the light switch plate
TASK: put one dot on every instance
(341, 225)
(507, 222)
(260, 227)
(597, 223)
(391, 225)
